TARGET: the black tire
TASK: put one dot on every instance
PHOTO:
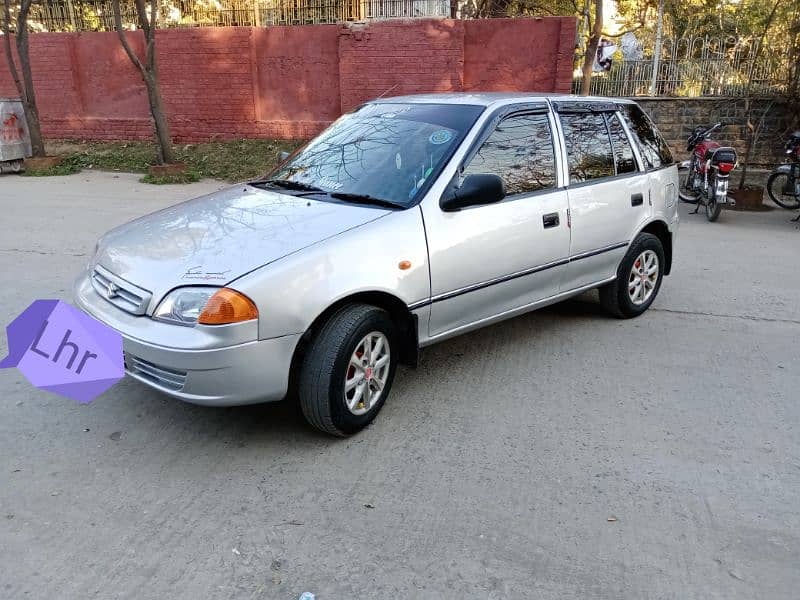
(776, 181)
(614, 296)
(688, 197)
(322, 375)
(713, 209)
(686, 191)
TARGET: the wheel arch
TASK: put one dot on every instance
(403, 318)
(660, 229)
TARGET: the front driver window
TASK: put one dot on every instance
(520, 151)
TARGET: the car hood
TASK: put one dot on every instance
(217, 238)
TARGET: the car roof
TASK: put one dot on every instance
(494, 98)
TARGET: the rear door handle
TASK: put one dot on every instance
(637, 199)
(550, 220)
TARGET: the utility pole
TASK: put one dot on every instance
(657, 54)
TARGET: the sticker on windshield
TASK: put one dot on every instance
(440, 137)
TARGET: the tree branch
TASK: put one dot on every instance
(141, 15)
(151, 39)
(620, 34)
(153, 14)
(124, 40)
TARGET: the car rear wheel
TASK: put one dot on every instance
(638, 279)
(348, 370)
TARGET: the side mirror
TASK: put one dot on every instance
(476, 189)
(282, 156)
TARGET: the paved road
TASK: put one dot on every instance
(492, 472)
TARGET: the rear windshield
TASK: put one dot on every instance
(385, 150)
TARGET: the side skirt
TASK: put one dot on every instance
(450, 333)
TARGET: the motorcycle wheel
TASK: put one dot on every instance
(775, 185)
(713, 209)
(687, 194)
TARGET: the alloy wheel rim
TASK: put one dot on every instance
(366, 373)
(643, 277)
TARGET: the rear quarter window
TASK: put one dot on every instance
(655, 151)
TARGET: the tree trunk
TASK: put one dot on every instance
(166, 154)
(748, 147)
(591, 48)
(29, 95)
(149, 71)
(24, 84)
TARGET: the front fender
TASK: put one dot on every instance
(292, 292)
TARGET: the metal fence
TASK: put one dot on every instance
(695, 67)
(96, 15)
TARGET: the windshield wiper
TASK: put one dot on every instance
(365, 199)
(288, 185)
(345, 196)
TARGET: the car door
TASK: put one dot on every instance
(488, 260)
(656, 159)
(609, 192)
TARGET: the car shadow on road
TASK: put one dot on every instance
(281, 423)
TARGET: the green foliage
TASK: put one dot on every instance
(713, 18)
(235, 160)
(187, 177)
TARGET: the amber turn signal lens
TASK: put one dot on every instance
(227, 306)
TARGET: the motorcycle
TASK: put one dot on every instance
(783, 184)
(710, 167)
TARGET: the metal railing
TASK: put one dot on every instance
(96, 15)
(695, 67)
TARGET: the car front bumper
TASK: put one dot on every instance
(200, 365)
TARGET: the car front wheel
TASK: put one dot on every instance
(638, 279)
(348, 370)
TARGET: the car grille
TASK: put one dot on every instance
(119, 292)
(169, 378)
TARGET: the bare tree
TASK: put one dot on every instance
(591, 47)
(755, 126)
(149, 70)
(24, 85)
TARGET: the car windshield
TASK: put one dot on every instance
(383, 151)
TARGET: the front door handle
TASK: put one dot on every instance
(637, 199)
(550, 220)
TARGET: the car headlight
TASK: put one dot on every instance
(206, 306)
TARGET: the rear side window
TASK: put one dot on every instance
(623, 151)
(655, 150)
(589, 152)
(520, 151)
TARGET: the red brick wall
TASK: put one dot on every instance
(400, 57)
(286, 82)
(507, 55)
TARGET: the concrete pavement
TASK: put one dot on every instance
(562, 454)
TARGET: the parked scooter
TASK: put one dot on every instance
(783, 184)
(708, 171)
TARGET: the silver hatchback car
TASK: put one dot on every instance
(408, 221)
